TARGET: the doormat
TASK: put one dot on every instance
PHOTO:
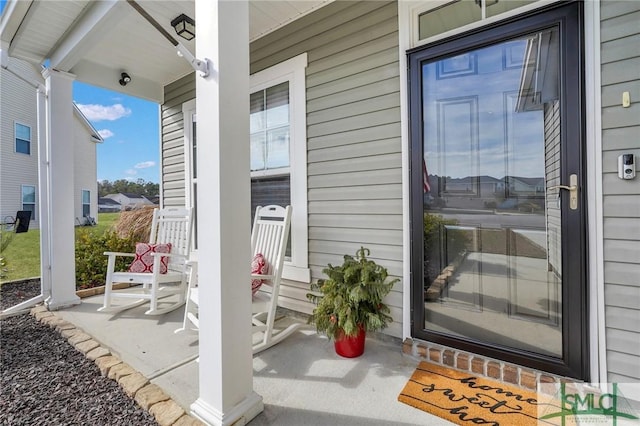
(465, 399)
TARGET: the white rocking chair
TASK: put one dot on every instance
(269, 237)
(171, 225)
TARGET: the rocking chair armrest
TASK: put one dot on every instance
(262, 277)
(178, 255)
(115, 253)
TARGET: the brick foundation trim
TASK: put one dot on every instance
(480, 365)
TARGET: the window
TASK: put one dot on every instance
(438, 17)
(23, 139)
(191, 164)
(86, 203)
(279, 152)
(270, 145)
(29, 199)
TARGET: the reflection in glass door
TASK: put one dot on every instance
(493, 147)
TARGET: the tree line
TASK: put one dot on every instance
(140, 187)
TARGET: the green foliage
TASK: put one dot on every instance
(23, 254)
(5, 239)
(91, 263)
(435, 233)
(140, 187)
(351, 296)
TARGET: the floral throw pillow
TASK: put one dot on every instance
(143, 262)
(259, 267)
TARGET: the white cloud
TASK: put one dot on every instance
(105, 133)
(144, 165)
(104, 112)
(131, 172)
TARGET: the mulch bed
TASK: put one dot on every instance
(45, 381)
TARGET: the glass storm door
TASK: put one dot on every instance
(498, 207)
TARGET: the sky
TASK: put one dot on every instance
(129, 127)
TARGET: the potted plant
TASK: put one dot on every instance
(349, 302)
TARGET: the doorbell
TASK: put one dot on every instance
(627, 166)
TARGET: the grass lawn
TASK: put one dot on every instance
(23, 253)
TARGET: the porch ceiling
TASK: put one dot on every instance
(97, 40)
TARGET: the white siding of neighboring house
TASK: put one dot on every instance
(353, 132)
(620, 57)
(85, 166)
(17, 103)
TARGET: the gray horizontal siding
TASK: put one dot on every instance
(353, 132)
(620, 56)
(172, 131)
(353, 135)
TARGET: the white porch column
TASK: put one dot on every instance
(58, 228)
(222, 104)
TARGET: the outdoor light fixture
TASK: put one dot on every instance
(124, 79)
(184, 26)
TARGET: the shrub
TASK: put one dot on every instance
(135, 224)
(441, 246)
(91, 263)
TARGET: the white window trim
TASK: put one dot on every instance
(15, 137)
(293, 71)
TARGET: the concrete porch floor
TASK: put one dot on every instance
(302, 380)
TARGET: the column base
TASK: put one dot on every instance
(239, 415)
(55, 304)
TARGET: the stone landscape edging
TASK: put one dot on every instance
(150, 397)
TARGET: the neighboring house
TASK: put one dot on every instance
(523, 185)
(107, 205)
(19, 148)
(130, 201)
(348, 101)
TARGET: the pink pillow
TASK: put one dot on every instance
(258, 266)
(143, 262)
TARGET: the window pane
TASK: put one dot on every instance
(195, 216)
(31, 208)
(194, 152)
(23, 147)
(448, 17)
(23, 132)
(272, 190)
(257, 151)
(278, 105)
(256, 111)
(494, 7)
(86, 197)
(28, 194)
(278, 148)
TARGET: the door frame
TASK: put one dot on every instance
(575, 360)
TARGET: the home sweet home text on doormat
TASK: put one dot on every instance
(465, 399)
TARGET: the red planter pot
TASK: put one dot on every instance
(350, 346)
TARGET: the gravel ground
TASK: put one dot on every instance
(45, 381)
